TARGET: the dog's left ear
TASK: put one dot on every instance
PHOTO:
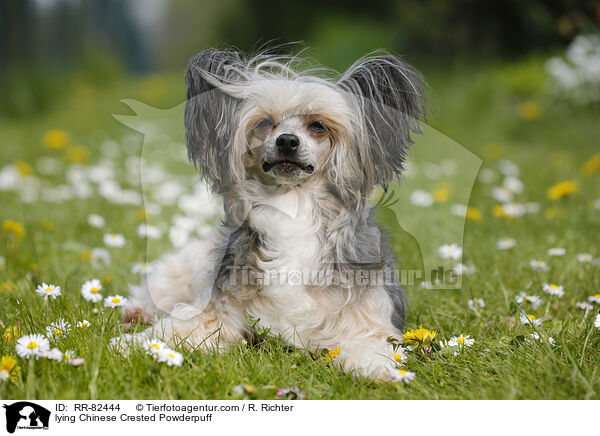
(389, 94)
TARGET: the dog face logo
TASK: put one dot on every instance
(26, 415)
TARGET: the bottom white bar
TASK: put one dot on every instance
(297, 417)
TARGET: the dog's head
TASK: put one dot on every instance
(261, 119)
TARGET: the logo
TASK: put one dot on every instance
(26, 415)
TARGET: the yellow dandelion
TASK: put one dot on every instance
(24, 168)
(562, 189)
(493, 151)
(441, 195)
(13, 228)
(529, 110)
(498, 211)
(473, 214)
(141, 214)
(330, 355)
(85, 255)
(9, 369)
(10, 333)
(78, 154)
(419, 337)
(592, 166)
(56, 139)
(6, 287)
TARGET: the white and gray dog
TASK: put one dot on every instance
(294, 153)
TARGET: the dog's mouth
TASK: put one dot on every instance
(287, 168)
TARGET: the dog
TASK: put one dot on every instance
(294, 153)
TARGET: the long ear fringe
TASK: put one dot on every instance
(390, 97)
(210, 114)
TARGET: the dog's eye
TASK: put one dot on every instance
(265, 123)
(317, 126)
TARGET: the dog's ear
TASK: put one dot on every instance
(210, 115)
(389, 94)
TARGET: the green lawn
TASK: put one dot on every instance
(498, 112)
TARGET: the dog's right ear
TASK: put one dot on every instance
(210, 115)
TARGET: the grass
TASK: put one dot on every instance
(476, 106)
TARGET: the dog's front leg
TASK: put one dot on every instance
(217, 327)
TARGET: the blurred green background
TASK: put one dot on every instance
(52, 49)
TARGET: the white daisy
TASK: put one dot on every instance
(154, 346)
(538, 265)
(96, 221)
(585, 258)
(583, 305)
(506, 243)
(83, 324)
(535, 300)
(171, 357)
(461, 341)
(542, 338)
(450, 251)
(459, 210)
(508, 168)
(58, 328)
(32, 345)
(141, 268)
(594, 298)
(462, 269)
(476, 304)
(69, 355)
(421, 198)
(503, 195)
(402, 375)
(487, 175)
(513, 184)
(91, 290)
(100, 257)
(553, 289)
(148, 231)
(53, 354)
(533, 207)
(531, 320)
(115, 301)
(46, 291)
(556, 251)
(597, 321)
(114, 240)
(400, 355)
(513, 210)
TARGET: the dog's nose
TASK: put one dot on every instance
(287, 143)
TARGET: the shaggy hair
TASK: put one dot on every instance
(311, 215)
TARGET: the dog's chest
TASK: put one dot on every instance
(289, 228)
(290, 251)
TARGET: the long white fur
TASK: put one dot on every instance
(301, 224)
